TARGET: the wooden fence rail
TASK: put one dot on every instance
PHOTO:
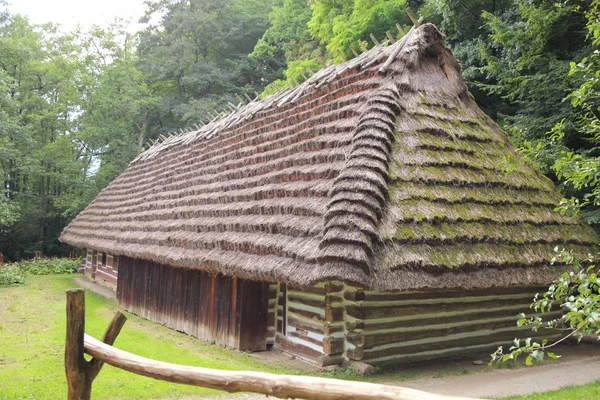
(81, 373)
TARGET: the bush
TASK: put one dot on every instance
(14, 274)
(50, 266)
(11, 274)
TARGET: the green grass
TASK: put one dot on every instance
(591, 391)
(32, 334)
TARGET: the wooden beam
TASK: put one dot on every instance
(374, 39)
(390, 37)
(399, 27)
(412, 17)
(282, 386)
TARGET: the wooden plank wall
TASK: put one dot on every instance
(105, 271)
(313, 324)
(208, 306)
(390, 328)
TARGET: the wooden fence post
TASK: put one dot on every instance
(80, 387)
(1, 258)
(81, 373)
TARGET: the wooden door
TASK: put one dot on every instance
(252, 309)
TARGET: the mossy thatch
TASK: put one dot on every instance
(380, 171)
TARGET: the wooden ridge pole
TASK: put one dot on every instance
(282, 386)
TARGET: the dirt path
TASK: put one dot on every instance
(580, 365)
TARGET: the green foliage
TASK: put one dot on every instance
(15, 273)
(577, 292)
(49, 266)
(11, 274)
(340, 24)
(580, 169)
(196, 58)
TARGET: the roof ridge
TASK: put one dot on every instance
(243, 112)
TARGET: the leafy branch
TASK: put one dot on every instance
(577, 292)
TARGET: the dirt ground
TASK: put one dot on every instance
(578, 365)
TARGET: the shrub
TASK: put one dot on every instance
(50, 266)
(11, 274)
(14, 274)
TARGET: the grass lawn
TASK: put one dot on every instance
(32, 335)
(591, 391)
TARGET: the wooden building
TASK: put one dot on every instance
(372, 213)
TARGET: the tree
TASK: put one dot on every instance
(577, 291)
(196, 57)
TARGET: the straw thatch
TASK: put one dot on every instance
(380, 171)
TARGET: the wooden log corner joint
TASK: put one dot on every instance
(81, 373)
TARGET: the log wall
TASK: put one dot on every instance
(272, 318)
(310, 323)
(231, 311)
(392, 328)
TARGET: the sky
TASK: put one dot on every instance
(69, 13)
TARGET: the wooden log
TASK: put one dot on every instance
(354, 325)
(374, 39)
(333, 345)
(428, 332)
(497, 293)
(399, 27)
(412, 17)
(282, 386)
(406, 348)
(317, 302)
(79, 386)
(324, 361)
(304, 313)
(308, 325)
(354, 296)
(357, 339)
(355, 353)
(390, 37)
(379, 311)
(334, 314)
(329, 328)
(109, 337)
(399, 323)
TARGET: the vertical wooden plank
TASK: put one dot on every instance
(281, 326)
(211, 307)
(233, 320)
(253, 324)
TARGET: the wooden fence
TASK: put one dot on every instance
(81, 373)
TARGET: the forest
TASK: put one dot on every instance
(76, 108)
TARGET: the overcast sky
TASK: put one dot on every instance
(69, 13)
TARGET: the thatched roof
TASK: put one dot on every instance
(380, 171)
